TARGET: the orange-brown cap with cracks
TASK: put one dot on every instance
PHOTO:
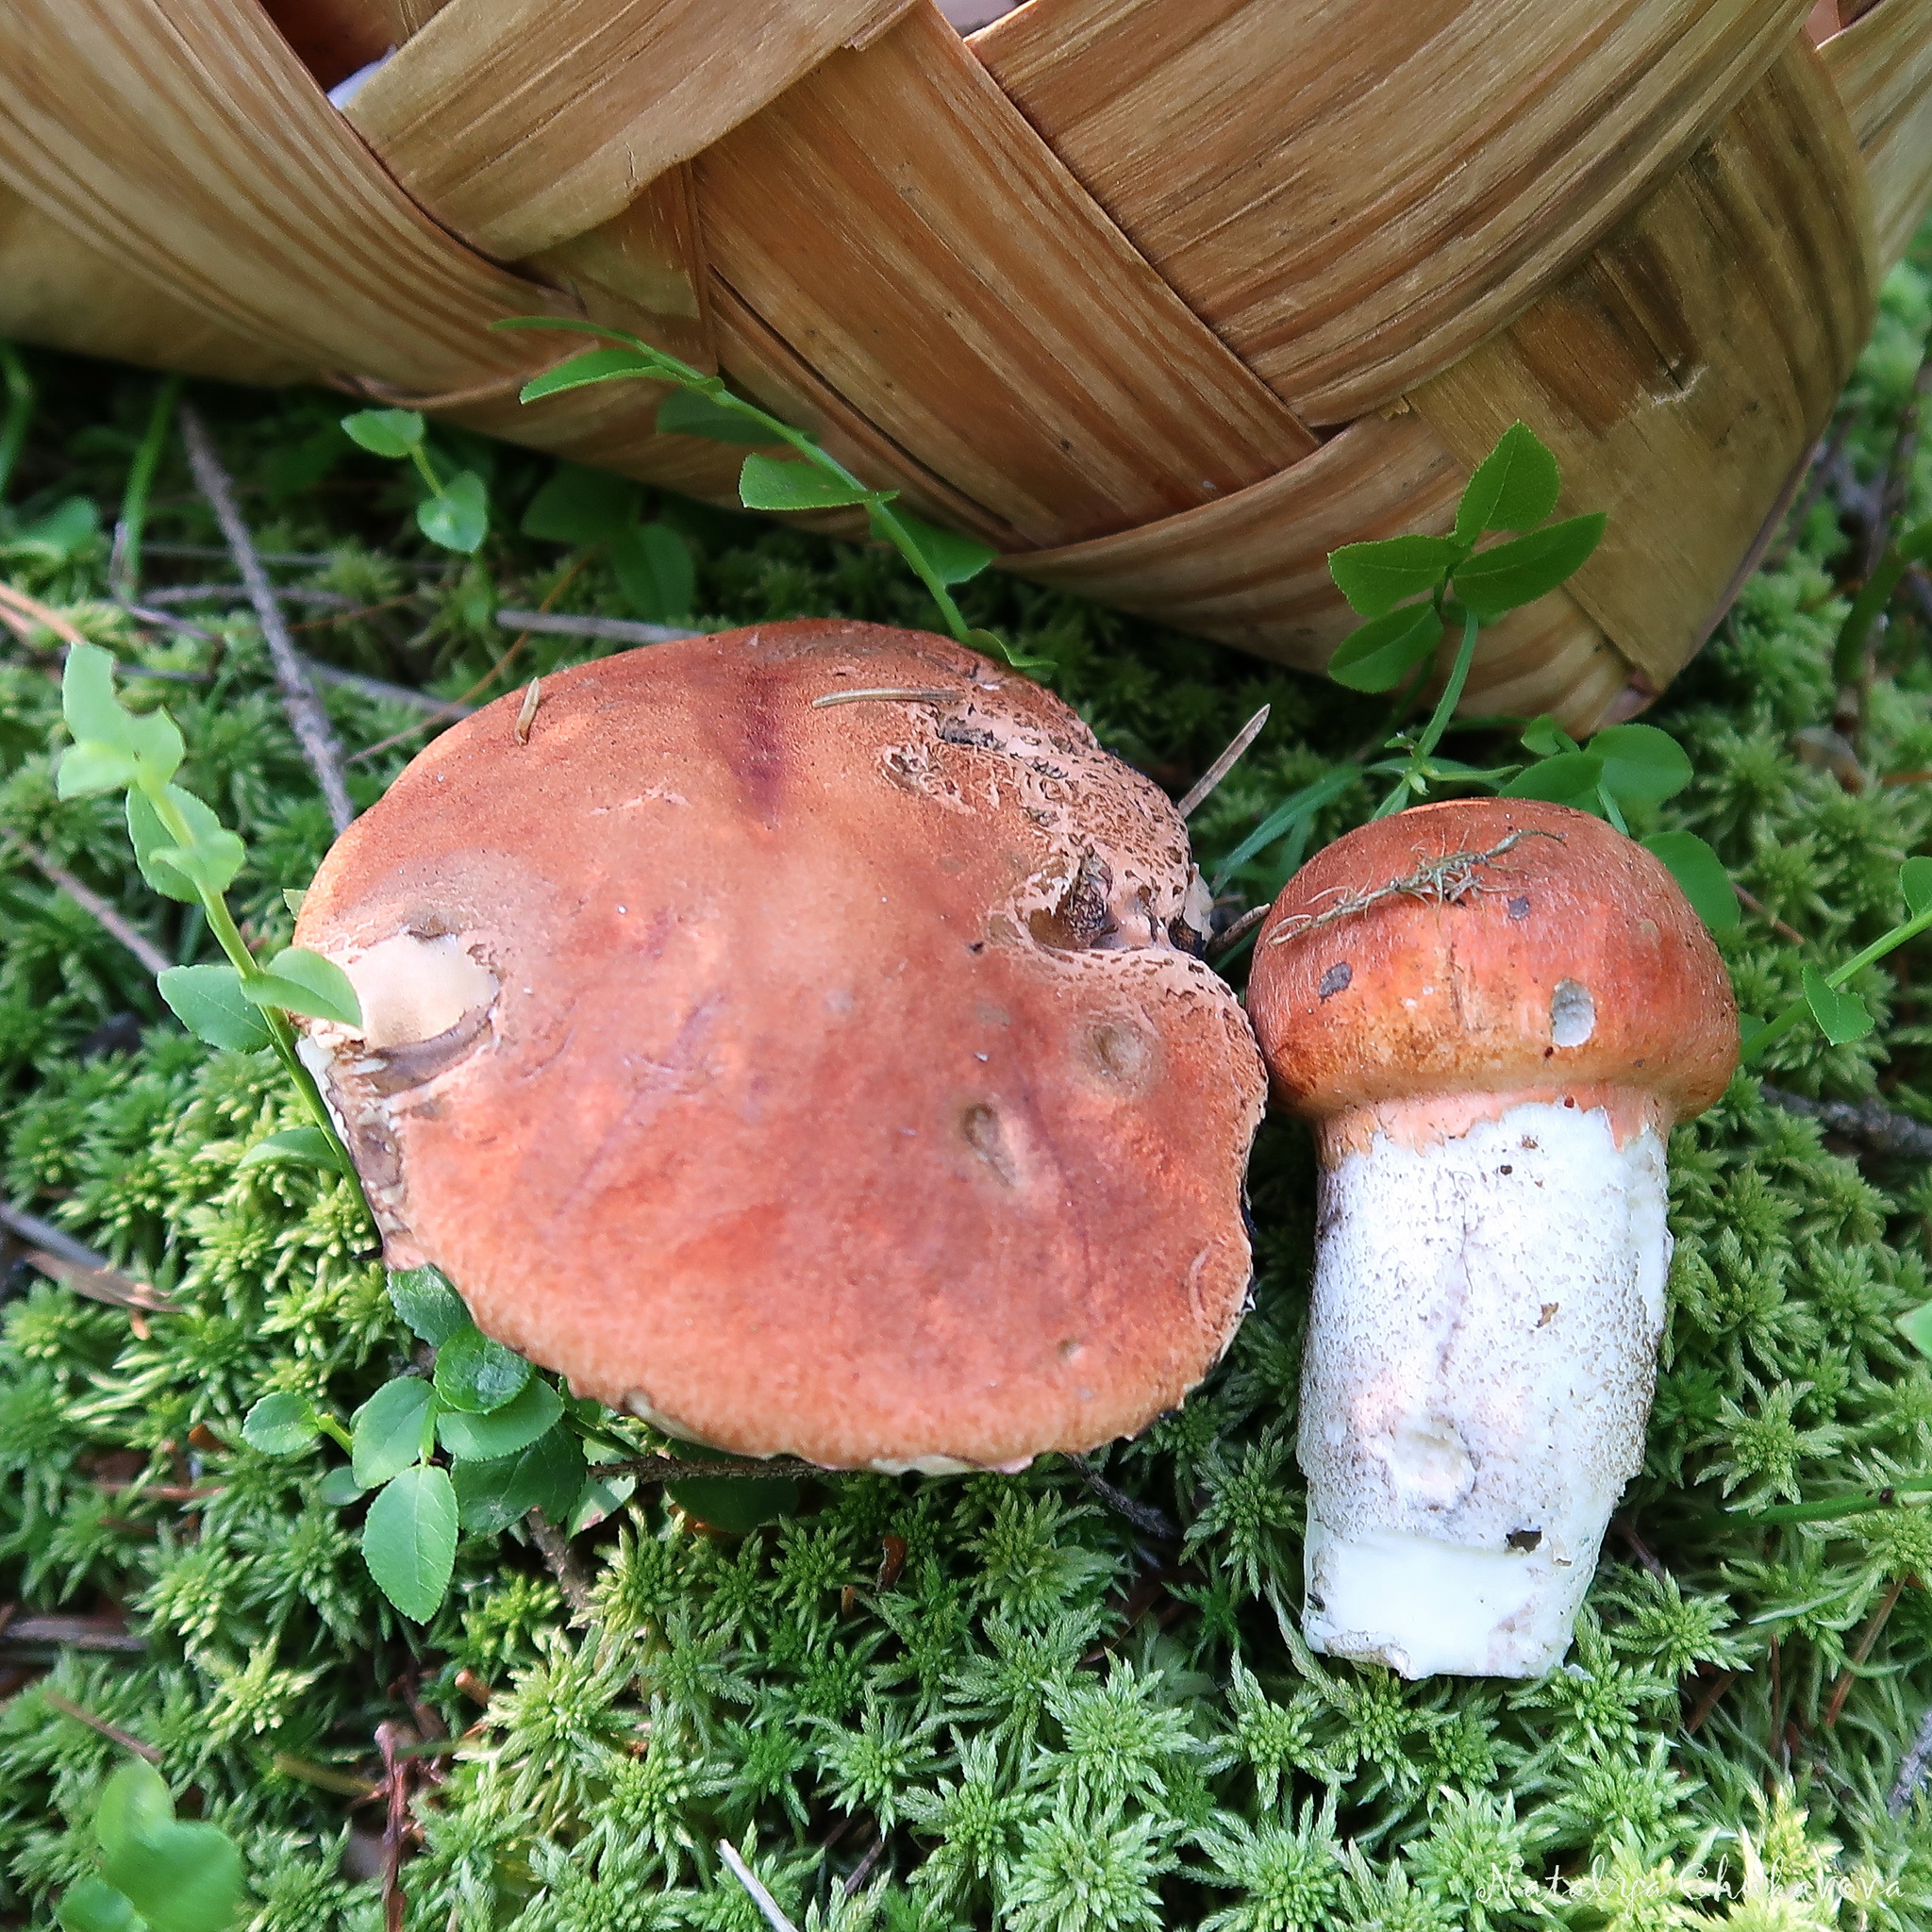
(824, 1078)
(1569, 963)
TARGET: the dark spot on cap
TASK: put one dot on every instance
(1336, 978)
(1519, 907)
(1506, 1168)
(1549, 1311)
(1523, 1540)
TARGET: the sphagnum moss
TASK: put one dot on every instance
(1059, 1721)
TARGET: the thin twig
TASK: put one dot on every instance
(1756, 907)
(456, 706)
(1640, 1550)
(1867, 1638)
(1144, 1516)
(1817, 480)
(1203, 788)
(664, 1469)
(615, 630)
(312, 729)
(1881, 1128)
(1709, 1703)
(1239, 929)
(863, 1869)
(888, 694)
(303, 559)
(75, 1633)
(774, 1913)
(76, 1266)
(386, 693)
(126, 1741)
(177, 595)
(555, 1550)
(324, 1777)
(105, 916)
(1448, 879)
(16, 606)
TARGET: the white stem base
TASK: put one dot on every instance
(1480, 1361)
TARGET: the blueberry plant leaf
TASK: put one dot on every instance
(409, 1539)
(387, 1431)
(1642, 764)
(207, 1001)
(1378, 654)
(545, 1474)
(593, 365)
(424, 1298)
(769, 483)
(1701, 874)
(951, 557)
(1842, 1017)
(655, 573)
(477, 1375)
(501, 1432)
(457, 515)
(691, 412)
(280, 1425)
(1571, 778)
(292, 1147)
(305, 982)
(1527, 568)
(582, 506)
(736, 1504)
(1514, 487)
(95, 1905)
(1915, 882)
(135, 1804)
(1374, 577)
(392, 433)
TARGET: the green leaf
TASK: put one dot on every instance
(1915, 1325)
(181, 1878)
(1514, 487)
(736, 1504)
(207, 1001)
(951, 557)
(151, 840)
(293, 897)
(766, 483)
(502, 1431)
(295, 1147)
(545, 1474)
(1519, 572)
(1374, 577)
(409, 1539)
(339, 1488)
(1842, 1017)
(57, 537)
(385, 432)
(386, 1433)
(582, 508)
(95, 1905)
(91, 767)
(280, 1425)
(135, 1804)
(601, 1496)
(1568, 778)
(457, 516)
(1642, 764)
(594, 365)
(305, 982)
(211, 858)
(691, 412)
(1546, 738)
(424, 1298)
(1915, 882)
(477, 1375)
(1701, 873)
(655, 573)
(88, 702)
(1378, 654)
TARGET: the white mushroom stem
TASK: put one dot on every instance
(1480, 1361)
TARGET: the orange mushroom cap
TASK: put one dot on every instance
(818, 1078)
(1532, 952)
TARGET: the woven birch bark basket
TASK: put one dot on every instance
(1165, 299)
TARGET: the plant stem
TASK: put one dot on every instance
(18, 388)
(1775, 1030)
(334, 1431)
(1828, 1509)
(141, 478)
(1438, 721)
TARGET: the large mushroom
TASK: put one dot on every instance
(798, 1038)
(1493, 1011)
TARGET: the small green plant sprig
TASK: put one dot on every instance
(456, 513)
(158, 1873)
(186, 853)
(511, 1442)
(1414, 590)
(703, 406)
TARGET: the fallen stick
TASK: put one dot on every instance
(312, 729)
(89, 901)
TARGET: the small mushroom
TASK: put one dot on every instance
(1493, 1011)
(802, 1042)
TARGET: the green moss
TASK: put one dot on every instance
(1059, 1726)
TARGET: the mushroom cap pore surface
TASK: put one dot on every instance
(845, 1090)
(1568, 959)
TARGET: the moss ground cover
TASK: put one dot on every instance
(909, 1702)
